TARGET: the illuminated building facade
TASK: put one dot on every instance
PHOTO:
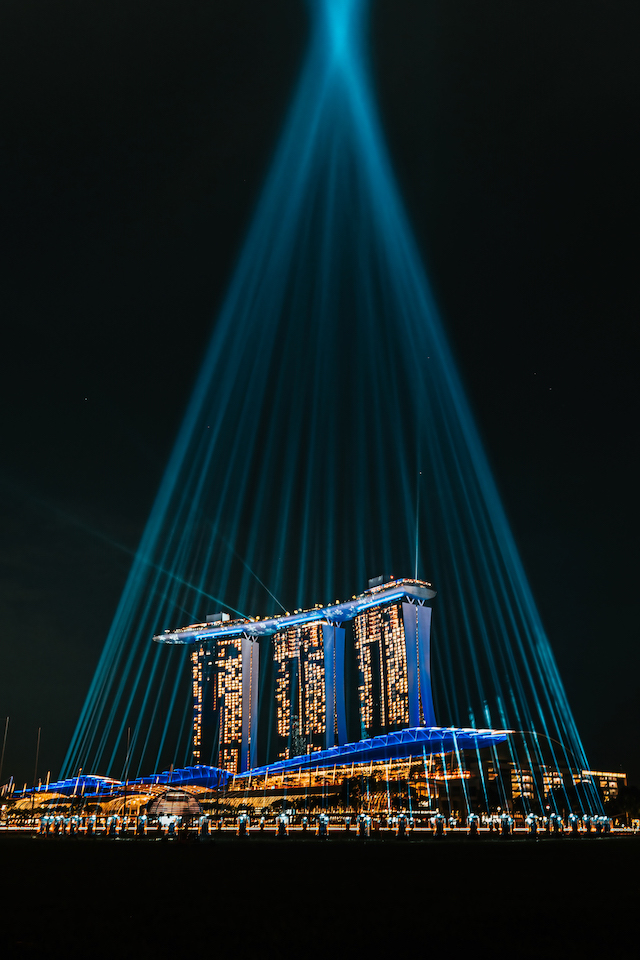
(529, 783)
(609, 784)
(394, 675)
(300, 689)
(308, 688)
(386, 630)
(225, 677)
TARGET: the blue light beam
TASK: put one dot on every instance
(327, 386)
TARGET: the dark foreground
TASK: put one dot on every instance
(356, 899)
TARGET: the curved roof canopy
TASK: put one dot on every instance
(412, 742)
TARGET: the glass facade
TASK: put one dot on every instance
(225, 677)
(303, 677)
(383, 691)
(300, 690)
(229, 701)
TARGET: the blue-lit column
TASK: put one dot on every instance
(417, 631)
(410, 622)
(329, 649)
(424, 665)
(250, 680)
(335, 706)
(341, 708)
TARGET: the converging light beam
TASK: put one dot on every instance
(327, 387)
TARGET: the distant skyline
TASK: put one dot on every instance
(135, 144)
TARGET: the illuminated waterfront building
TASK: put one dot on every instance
(346, 689)
(419, 771)
(528, 783)
(386, 629)
(608, 783)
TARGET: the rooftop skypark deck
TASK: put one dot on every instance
(404, 589)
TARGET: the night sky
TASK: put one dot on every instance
(134, 140)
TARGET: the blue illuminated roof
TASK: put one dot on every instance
(88, 785)
(196, 776)
(92, 786)
(414, 741)
(336, 613)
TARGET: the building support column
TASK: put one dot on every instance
(250, 683)
(417, 631)
(333, 640)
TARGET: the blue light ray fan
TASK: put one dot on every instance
(327, 387)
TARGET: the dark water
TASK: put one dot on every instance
(267, 898)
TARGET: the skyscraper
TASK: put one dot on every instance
(300, 689)
(225, 681)
(392, 643)
(300, 672)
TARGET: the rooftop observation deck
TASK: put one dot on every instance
(395, 590)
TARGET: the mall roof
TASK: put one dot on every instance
(411, 742)
(91, 785)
